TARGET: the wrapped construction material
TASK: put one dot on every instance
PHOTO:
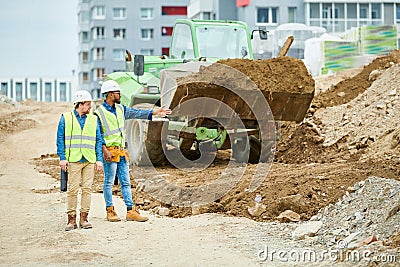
(378, 39)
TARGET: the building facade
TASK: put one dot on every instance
(270, 13)
(336, 16)
(38, 89)
(108, 28)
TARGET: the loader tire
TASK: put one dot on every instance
(143, 152)
(255, 150)
(250, 152)
(186, 150)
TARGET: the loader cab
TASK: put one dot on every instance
(193, 39)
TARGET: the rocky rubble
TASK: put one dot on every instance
(5, 100)
(367, 117)
(372, 209)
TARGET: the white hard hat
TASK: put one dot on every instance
(110, 86)
(81, 96)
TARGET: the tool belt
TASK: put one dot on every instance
(118, 152)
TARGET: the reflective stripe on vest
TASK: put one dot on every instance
(80, 142)
(113, 126)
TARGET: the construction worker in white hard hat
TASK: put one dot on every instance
(79, 142)
(112, 116)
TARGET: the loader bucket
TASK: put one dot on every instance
(283, 84)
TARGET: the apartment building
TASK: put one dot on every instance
(39, 89)
(212, 9)
(336, 16)
(107, 28)
(339, 16)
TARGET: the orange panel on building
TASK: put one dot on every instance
(240, 3)
(166, 31)
(165, 51)
(174, 10)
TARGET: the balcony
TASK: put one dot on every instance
(199, 6)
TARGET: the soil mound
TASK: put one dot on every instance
(367, 117)
(284, 74)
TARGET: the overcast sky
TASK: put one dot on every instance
(38, 38)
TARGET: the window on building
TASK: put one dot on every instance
(165, 51)
(147, 52)
(83, 16)
(4, 88)
(174, 10)
(98, 74)
(267, 15)
(292, 14)
(118, 54)
(376, 11)
(207, 15)
(84, 36)
(63, 92)
(364, 11)
(47, 92)
(166, 31)
(33, 89)
(327, 11)
(351, 11)
(314, 11)
(98, 53)
(119, 13)
(119, 34)
(146, 13)
(98, 33)
(18, 90)
(85, 77)
(147, 34)
(85, 56)
(397, 11)
(98, 12)
(339, 11)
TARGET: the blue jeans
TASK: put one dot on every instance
(122, 170)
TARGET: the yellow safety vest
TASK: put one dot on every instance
(80, 142)
(113, 126)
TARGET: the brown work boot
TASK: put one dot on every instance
(134, 215)
(111, 215)
(71, 225)
(83, 222)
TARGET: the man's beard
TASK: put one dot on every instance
(117, 101)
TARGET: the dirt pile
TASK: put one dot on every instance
(12, 116)
(366, 118)
(284, 74)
